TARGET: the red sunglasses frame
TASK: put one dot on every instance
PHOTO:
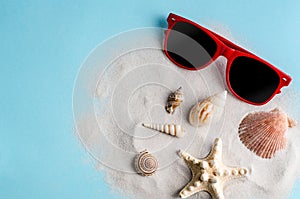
(229, 50)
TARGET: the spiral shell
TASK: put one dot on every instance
(264, 132)
(174, 100)
(203, 111)
(146, 164)
(170, 129)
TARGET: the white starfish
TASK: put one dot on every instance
(209, 174)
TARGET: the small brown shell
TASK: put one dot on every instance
(264, 132)
(174, 100)
(146, 164)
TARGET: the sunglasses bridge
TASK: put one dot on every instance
(227, 51)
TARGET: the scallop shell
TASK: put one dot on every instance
(203, 111)
(174, 100)
(170, 129)
(264, 132)
(145, 163)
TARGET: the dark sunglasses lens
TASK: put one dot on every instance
(189, 46)
(253, 80)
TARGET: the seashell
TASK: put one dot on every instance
(174, 100)
(146, 164)
(203, 111)
(171, 129)
(264, 132)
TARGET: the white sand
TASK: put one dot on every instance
(109, 107)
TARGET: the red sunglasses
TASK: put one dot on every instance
(249, 78)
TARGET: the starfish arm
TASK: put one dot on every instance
(189, 160)
(216, 152)
(184, 155)
(191, 188)
(234, 172)
(216, 191)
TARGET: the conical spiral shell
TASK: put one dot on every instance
(202, 111)
(264, 132)
(170, 129)
(174, 100)
(146, 164)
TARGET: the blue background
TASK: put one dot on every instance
(42, 45)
